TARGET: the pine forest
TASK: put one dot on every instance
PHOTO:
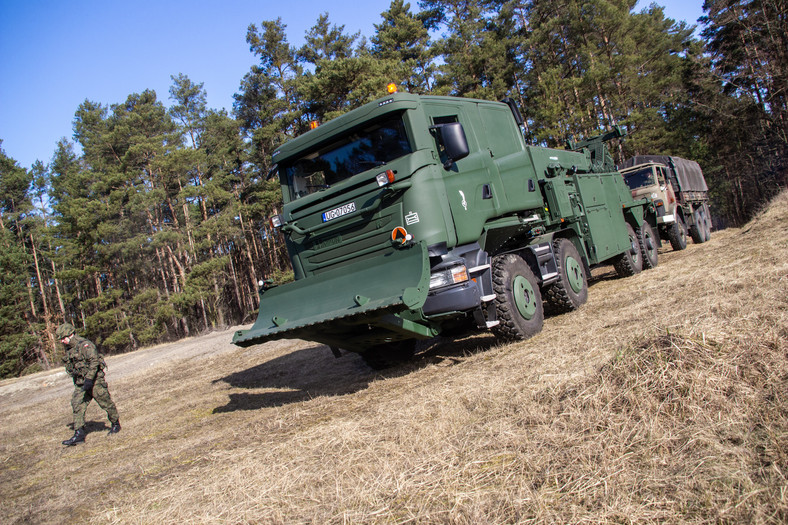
(158, 229)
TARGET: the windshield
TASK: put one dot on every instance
(640, 178)
(360, 150)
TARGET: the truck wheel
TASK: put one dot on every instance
(570, 291)
(649, 244)
(698, 230)
(386, 355)
(677, 234)
(707, 220)
(630, 262)
(518, 301)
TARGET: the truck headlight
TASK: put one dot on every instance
(453, 275)
(387, 177)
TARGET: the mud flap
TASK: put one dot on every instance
(320, 307)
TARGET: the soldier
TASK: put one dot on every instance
(86, 368)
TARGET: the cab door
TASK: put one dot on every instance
(468, 181)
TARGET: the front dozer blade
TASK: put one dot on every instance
(363, 292)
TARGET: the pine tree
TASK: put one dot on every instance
(19, 314)
(268, 104)
(478, 49)
(747, 41)
(403, 39)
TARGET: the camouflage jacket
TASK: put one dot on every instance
(82, 360)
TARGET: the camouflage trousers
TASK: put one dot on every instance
(81, 399)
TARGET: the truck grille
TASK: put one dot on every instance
(359, 239)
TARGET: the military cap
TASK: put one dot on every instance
(64, 330)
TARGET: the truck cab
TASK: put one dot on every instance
(650, 180)
(679, 191)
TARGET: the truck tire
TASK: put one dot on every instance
(630, 262)
(570, 291)
(698, 230)
(706, 231)
(707, 220)
(677, 234)
(649, 244)
(518, 301)
(386, 355)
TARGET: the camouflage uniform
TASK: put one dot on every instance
(83, 363)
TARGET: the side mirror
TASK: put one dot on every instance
(452, 136)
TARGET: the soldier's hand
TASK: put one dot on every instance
(87, 386)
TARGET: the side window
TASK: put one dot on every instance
(444, 120)
(662, 176)
(501, 132)
(436, 121)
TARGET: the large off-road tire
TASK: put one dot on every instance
(387, 355)
(707, 220)
(518, 301)
(698, 230)
(677, 234)
(649, 244)
(570, 291)
(630, 262)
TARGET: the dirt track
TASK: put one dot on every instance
(49, 384)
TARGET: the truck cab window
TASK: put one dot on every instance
(640, 178)
(437, 121)
(357, 151)
(661, 175)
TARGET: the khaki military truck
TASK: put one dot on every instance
(679, 191)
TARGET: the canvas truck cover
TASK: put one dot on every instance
(687, 172)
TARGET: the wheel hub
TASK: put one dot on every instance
(575, 274)
(524, 297)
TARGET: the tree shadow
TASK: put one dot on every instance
(314, 372)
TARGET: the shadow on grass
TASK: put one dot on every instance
(315, 372)
(92, 426)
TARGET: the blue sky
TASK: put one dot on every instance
(56, 54)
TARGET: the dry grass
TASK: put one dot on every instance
(661, 400)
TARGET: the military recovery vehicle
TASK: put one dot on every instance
(414, 216)
(680, 193)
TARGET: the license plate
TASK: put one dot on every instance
(339, 212)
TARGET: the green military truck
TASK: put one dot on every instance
(414, 216)
(680, 194)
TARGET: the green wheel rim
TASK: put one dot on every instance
(575, 274)
(524, 297)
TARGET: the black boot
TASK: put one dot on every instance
(78, 437)
(115, 428)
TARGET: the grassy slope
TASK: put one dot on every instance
(661, 400)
